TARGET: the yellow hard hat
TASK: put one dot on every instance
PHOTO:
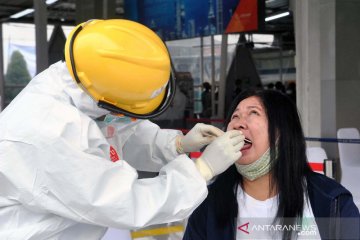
(122, 65)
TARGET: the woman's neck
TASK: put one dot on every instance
(260, 188)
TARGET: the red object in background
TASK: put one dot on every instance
(245, 17)
(317, 167)
(314, 166)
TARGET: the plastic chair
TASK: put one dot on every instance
(316, 157)
(349, 154)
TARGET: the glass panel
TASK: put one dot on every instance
(20, 56)
(186, 56)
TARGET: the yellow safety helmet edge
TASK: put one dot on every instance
(161, 101)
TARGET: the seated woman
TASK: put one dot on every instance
(271, 193)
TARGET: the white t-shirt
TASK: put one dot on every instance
(255, 220)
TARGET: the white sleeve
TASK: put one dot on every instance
(62, 180)
(150, 147)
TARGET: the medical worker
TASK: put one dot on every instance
(63, 176)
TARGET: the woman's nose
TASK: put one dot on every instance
(240, 124)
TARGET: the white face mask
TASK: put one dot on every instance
(256, 169)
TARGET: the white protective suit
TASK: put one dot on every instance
(56, 177)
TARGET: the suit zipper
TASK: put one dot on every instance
(335, 220)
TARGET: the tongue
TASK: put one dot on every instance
(246, 146)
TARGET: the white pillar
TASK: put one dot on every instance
(223, 73)
(2, 76)
(347, 47)
(41, 35)
(328, 67)
(308, 65)
(328, 74)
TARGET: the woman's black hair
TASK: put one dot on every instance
(289, 166)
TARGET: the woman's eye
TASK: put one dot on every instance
(254, 112)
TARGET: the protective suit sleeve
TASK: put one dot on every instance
(55, 162)
(90, 189)
(150, 147)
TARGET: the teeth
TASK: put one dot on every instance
(247, 141)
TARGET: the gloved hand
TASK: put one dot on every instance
(199, 136)
(220, 154)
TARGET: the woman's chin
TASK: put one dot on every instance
(244, 161)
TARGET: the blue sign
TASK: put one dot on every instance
(178, 19)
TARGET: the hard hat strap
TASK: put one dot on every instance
(71, 54)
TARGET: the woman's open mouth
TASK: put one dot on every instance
(247, 144)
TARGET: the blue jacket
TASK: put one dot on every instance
(335, 213)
